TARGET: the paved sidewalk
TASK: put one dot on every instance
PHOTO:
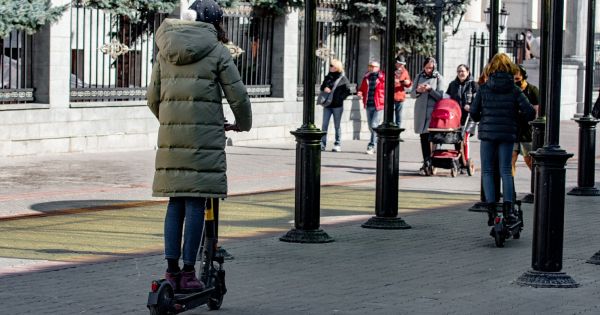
(445, 264)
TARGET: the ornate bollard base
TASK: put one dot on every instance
(385, 223)
(306, 236)
(541, 279)
(479, 207)
(527, 199)
(595, 259)
(584, 191)
(224, 253)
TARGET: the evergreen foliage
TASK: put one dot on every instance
(138, 11)
(29, 16)
(415, 20)
(275, 7)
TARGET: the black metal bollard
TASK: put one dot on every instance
(308, 190)
(549, 202)
(386, 191)
(308, 150)
(587, 123)
(538, 132)
(586, 162)
(388, 144)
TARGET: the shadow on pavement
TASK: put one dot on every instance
(53, 206)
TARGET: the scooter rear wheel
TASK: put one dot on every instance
(499, 239)
(165, 295)
(216, 300)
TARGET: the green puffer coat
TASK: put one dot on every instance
(192, 67)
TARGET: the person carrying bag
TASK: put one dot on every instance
(325, 98)
(334, 89)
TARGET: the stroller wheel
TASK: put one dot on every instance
(470, 167)
(433, 170)
(453, 171)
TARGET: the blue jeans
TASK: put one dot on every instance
(398, 113)
(373, 120)
(188, 210)
(490, 152)
(337, 119)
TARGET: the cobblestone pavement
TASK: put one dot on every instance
(446, 264)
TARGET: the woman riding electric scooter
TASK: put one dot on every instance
(192, 70)
(496, 106)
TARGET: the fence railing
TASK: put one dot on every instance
(479, 51)
(111, 58)
(254, 35)
(16, 51)
(330, 44)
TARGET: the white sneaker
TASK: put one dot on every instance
(370, 151)
(336, 148)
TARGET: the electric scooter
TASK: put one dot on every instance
(503, 228)
(164, 299)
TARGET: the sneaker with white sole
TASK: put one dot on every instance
(370, 150)
(336, 148)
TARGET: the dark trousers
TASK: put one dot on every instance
(425, 146)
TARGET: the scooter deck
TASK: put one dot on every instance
(180, 302)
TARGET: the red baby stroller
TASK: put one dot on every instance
(445, 128)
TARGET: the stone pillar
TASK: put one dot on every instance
(52, 61)
(369, 48)
(285, 57)
(575, 43)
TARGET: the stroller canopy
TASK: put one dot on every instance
(446, 115)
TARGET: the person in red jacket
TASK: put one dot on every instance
(372, 92)
(401, 82)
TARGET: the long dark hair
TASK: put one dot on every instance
(221, 34)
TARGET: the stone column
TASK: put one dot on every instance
(575, 43)
(285, 57)
(369, 48)
(52, 61)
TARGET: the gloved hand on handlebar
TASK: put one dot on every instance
(231, 127)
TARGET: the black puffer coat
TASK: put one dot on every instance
(497, 106)
(469, 89)
(341, 91)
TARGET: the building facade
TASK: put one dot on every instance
(79, 84)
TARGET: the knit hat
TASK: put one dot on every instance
(374, 63)
(401, 60)
(207, 11)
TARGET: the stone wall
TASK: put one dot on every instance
(55, 125)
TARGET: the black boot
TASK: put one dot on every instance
(491, 207)
(509, 213)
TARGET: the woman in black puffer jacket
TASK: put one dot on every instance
(336, 106)
(496, 106)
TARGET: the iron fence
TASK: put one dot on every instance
(16, 51)
(254, 36)
(331, 43)
(111, 57)
(479, 51)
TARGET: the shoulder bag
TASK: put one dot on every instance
(326, 98)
